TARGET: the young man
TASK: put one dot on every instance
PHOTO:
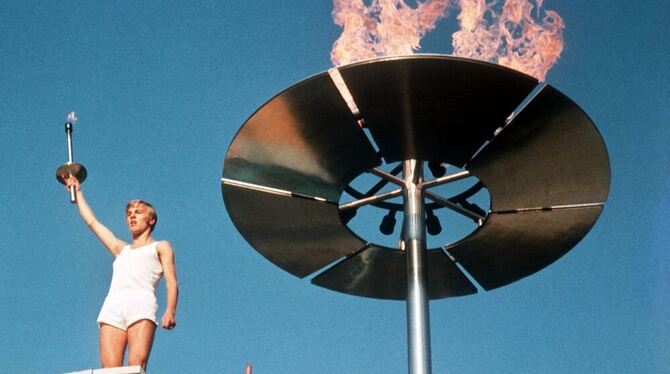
(128, 316)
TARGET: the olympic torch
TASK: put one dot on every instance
(71, 168)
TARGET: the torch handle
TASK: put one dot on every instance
(73, 195)
(68, 131)
(71, 168)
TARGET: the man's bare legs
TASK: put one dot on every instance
(140, 337)
(112, 346)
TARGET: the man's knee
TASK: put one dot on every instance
(111, 359)
(138, 359)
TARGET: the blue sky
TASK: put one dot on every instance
(161, 88)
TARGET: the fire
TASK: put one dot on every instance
(513, 38)
(513, 33)
(383, 28)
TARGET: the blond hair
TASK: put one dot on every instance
(152, 210)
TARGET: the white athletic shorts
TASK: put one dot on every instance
(122, 311)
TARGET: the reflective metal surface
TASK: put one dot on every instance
(511, 246)
(434, 108)
(304, 140)
(74, 169)
(550, 154)
(380, 273)
(71, 168)
(299, 235)
(414, 243)
(305, 145)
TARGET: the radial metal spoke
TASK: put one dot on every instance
(370, 200)
(266, 189)
(446, 179)
(387, 176)
(382, 183)
(252, 186)
(455, 207)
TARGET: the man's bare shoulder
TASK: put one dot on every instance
(164, 246)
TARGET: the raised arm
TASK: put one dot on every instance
(106, 236)
(166, 257)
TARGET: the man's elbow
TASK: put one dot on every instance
(172, 284)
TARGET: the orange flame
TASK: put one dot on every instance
(509, 35)
(512, 38)
(384, 28)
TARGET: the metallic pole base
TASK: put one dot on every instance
(414, 238)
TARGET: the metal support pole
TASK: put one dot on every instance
(414, 238)
(68, 131)
(71, 168)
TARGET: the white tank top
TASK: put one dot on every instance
(136, 270)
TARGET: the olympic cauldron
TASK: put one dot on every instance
(538, 155)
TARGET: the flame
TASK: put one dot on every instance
(513, 38)
(508, 33)
(383, 28)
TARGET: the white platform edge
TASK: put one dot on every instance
(119, 370)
